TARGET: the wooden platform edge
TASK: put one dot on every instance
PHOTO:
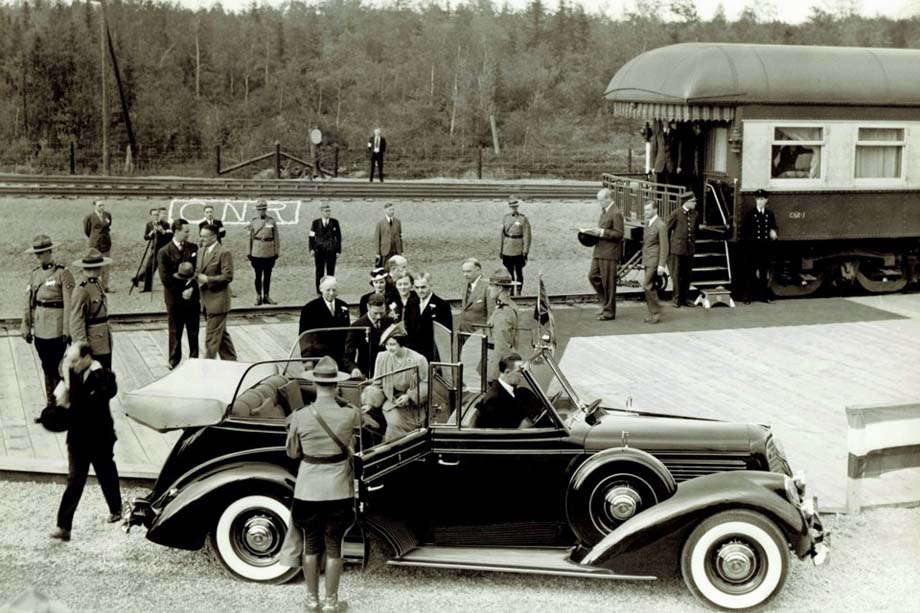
(11, 467)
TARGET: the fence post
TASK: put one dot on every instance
(335, 163)
(479, 164)
(277, 159)
(629, 160)
(217, 157)
(73, 161)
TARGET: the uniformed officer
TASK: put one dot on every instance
(515, 242)
(503, 324)
(89, 312)
(46, 317)
(683, 226)
(758, 232)
(264, 249)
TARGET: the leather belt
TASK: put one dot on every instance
(329, 459)
(264, 240)
(510, 236)
(50, 304)
(97, 320)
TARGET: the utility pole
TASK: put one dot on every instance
(105, 128)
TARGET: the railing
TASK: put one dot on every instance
(631, 194)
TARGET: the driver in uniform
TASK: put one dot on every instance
(508, 404)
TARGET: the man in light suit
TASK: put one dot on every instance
(654, 256)
(388, 235)
(474, 308)
(606, 255)
(215, 273)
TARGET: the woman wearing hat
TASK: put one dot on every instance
(379, 284)
(403, 374)
(89, 312)
(321, 436)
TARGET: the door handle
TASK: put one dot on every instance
(444, 462)
(374, 488)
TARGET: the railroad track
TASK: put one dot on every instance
(168, 187)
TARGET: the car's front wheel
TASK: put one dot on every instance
(248, 536)
(735, 560)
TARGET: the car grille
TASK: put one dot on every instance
(775, 460)
(690, 468)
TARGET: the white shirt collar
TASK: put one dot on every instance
(652, 220)
(423, 304)
(607, 208)
(507, 387)
(210, 249)
(474, 282)
(177, 244)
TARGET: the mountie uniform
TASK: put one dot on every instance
(515, 245)
(46, 319)
(264, 249)
(502, 335)
(89, 319)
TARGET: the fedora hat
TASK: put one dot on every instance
(502, 278)
(92, 259)
(326, 371)
(397, 330)
(185, 272)
(40, 243)
(587, 239)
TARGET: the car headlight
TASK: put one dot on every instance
(799, 479)
(792, 491)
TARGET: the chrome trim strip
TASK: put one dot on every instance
(594, 573)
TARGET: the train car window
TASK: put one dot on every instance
(879, 152)
(797, 152)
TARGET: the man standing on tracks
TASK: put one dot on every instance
(606, 256)
(46, 317)
(654, 257)
(682, 228)
(264, 249)
(514, 243)
(503, 324)
(377, 147)
(175, 291)
(89, 310)
(388, 236)
(215, 273)
(758, 231)
(97, 226)
(325, 243)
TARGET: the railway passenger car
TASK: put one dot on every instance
(832, 133)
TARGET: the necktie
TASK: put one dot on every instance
(390, 220)
(469, 290)
(331, 306)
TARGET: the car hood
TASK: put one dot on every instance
(652, 432)
(195, 393)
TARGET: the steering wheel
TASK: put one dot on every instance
(536, 420)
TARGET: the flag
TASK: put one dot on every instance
(544, 316)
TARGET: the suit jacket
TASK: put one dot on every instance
(361, 352)
(90, 418)
(609, 246)
(326, 240)
(475, 308)
(221, 231)
(655, 244)
(682, 227)
(666, 151)
(218, 266)
(315, 314)
(383, 145)
(498, 409)
(192, 304)
(420, 325)
(161, 237)
(168, 260)
(388, 239)
(98, 231)
(389, 295)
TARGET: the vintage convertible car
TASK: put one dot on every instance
(587, 491)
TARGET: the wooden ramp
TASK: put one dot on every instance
(138, 359)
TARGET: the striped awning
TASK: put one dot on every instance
(676, 112)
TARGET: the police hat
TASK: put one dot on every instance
(502, 278)
(185, 272)
(587, 239)
(761, 193)
(40, 243)
(687, 196)
(326, 371)
(261, 205)
(513, 201)
(92, 259)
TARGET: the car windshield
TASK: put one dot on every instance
(544, 374)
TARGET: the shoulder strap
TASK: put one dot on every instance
(322, 423)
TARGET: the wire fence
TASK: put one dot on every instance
(399, 163)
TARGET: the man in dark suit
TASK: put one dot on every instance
(215, 273)
(758, 231)
(360, 351)
(606, 255)
(209, 220)
(376, 148)
(178, 250)
(188, 305)
(474, 307)
(97, 226)
(666, 153)
(654, 256)
(683, 225)
(388, 235)
(421, 316)
(325, 243)
(90, 435)
(507, 404)
(327, 311)
(159, 233)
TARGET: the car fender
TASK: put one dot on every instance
(186, 518)
(695, 500)
(603, 459)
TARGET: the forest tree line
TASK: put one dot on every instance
(431, 75)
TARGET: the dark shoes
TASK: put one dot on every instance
(606, 317)
(652, 320)
(113, 518)
(258, 300)
(61, 535)
(268, 300)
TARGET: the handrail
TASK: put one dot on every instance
(719, 204)
(631, 194)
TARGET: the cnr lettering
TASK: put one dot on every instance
(234, 212)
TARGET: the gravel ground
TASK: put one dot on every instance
(438, 235)
(875, 555)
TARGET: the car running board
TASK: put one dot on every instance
(506, 559)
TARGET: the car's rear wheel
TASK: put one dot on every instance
(735, 560)
(248, 536)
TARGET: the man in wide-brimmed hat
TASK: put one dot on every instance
(321, 436)
(264, 250)
(514, 244)
(503, 324)
(46, 316)
(97, 226)
(89, 312)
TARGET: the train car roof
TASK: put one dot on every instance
(721, 76)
